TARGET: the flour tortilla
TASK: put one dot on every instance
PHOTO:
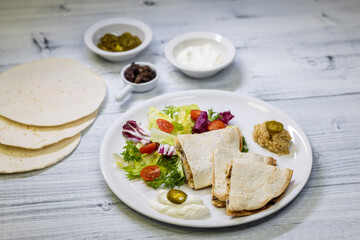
(34, 137)
(253, 185)
(50, 92)
(13, 159)
(197, 153)
(221, 158)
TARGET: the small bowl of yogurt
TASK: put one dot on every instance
(200, 54)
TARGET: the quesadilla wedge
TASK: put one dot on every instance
(221, 158)
(196, 153)
(254, 186)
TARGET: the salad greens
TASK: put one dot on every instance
(170, 110)
(181, 118)
(131, 152)
(244, 145)
(212, 116)
(133, 168)
(172, 173)
(153, 115)
(133, 161)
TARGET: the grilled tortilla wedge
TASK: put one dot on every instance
(254, 186)
(196, 152)
(221, 158)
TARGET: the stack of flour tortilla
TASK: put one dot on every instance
(44, 106)
(244, 183)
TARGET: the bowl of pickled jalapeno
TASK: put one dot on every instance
(118, 39)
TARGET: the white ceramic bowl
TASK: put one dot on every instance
(136, 87)
(118, 26)
(221, 44)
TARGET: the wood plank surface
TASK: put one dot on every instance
(300, 56)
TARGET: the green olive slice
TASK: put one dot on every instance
(176, 196)
(274, 126)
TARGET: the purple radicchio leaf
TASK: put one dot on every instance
(161, 149)
(201, 123)
(166, 149)
(133, 132)
(226, 117)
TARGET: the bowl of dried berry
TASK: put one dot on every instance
(138, 77)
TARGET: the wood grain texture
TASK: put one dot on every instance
(300, 56)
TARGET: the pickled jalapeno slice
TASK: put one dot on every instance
(126, 41)
(176, 196)
(274, 126)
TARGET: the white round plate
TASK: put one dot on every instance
(248, 112)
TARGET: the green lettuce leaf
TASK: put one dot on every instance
(212, 116)
(153, 115)
(161, 137)
(181, 115)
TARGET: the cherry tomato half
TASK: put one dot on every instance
(215, 125)
(195, 114)
(151, 172)
(165, 125)
(149, 148)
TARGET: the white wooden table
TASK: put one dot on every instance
(300, 56)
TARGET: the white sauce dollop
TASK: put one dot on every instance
(204, 56)
(192, 208)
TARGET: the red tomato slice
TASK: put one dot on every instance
(195, 114)
(151, 172)
(215, 125)
(149, 148)
(165, 125)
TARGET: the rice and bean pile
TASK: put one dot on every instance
(277, 142)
